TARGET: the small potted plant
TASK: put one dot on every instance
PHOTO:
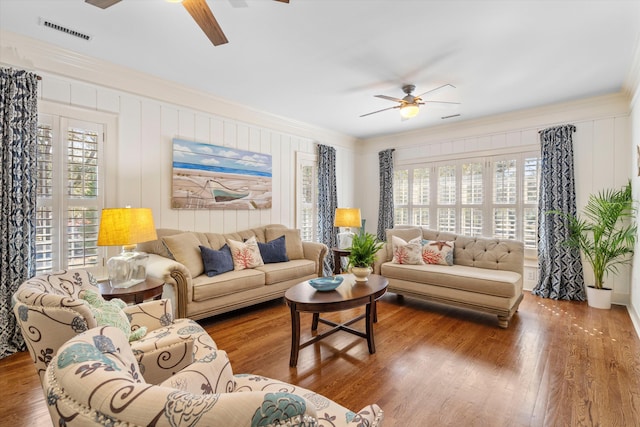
(606, 235)
(363, 253)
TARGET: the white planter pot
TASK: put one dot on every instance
(361, 273)
(599, 298)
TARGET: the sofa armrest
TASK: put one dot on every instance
(381, 258)
(174, 274)
(152, 314)
(315, 252)
(207, 375)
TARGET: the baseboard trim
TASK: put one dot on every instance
(635, 319)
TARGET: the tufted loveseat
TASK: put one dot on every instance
(486, 274)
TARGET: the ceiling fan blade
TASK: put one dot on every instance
(200, 12)
(450, 117)
(283, 1)
(102, 4)
(390, 98)
(379, 111)
(238, 3)
(433, 90)
(442, 102)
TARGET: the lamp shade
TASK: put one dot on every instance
(347, 217)
(126, 226)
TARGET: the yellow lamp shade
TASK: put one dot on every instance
(347, 217)
(126, 226)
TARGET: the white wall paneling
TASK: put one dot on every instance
(142, 166)
(634, 306)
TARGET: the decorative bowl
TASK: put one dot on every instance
(326, 284)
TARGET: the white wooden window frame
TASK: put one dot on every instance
(60, 118)
(307, 160)
(488, 161)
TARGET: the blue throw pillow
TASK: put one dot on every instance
(273, 251)
(216, 262)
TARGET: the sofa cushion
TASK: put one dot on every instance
(184, 248)
(283, 271)
(293, 242)
(405, 233)
(437, 252)
(157, 246)
(273, 251)
(232, 282)
(245, 254)
(216, 262)
(407, 252)
(479, 280)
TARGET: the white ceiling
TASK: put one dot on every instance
(321, 61)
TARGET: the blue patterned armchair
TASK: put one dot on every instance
(50, 312)
(94, 380)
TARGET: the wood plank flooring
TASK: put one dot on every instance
(558, 364)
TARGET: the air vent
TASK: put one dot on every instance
(61, 28)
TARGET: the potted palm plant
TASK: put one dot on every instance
(363, 253)
(605, 233)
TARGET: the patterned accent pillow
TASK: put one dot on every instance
(245, 254)
(437, 252)
(109, 313)
(407, 252)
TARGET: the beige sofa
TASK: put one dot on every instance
(176, 258)
(486, 275)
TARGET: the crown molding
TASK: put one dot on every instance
(43, 58)
(632, 83)
(534, 118)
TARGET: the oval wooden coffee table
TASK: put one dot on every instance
(350, 294)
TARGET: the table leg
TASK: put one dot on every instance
(314, 323)
(369, 325)
(295, 335)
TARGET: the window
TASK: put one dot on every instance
(488, 196)
(307, 196)
(70, 194)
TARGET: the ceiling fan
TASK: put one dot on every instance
(199, 11)
(410, 105)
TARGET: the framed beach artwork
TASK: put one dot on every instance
(213, 177)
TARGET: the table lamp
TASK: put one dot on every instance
(125, 227)
(346, 218)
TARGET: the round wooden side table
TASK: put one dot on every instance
(149, 289)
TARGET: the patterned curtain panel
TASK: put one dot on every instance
(327, 202)
(385, 208)
(560, 268)
(19, 125)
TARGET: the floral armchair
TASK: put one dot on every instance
(94, 380)
(50, 311)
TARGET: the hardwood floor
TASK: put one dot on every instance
(558, 364)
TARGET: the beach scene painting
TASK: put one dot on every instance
(214, 177)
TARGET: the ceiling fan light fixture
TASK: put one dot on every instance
(408, 111)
